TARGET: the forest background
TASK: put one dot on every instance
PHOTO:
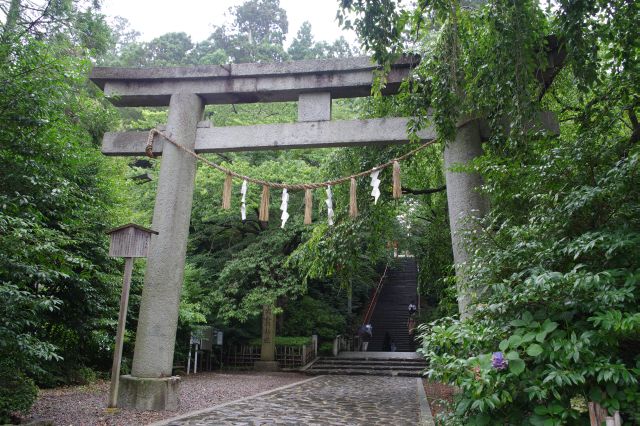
(555, 261)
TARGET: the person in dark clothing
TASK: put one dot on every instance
(365, 332)
(412, 308)
(386, 344)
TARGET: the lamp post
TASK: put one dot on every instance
(128, 241)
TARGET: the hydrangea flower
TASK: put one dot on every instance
(498, 361)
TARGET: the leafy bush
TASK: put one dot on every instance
(326, 349)
(56, 279)
(560, 291)
(85, 376)
(309, 315)
(20, 351)
(17, 392)
(286, 341)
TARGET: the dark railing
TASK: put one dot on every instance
(374, 297)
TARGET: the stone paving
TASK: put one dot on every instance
(327, 400)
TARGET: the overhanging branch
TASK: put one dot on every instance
(406, 190)
(556, 59)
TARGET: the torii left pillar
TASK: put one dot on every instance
(151, 385)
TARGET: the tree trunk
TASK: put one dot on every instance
(12, 18)
(9, 27)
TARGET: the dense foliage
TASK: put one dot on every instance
(58, 195)
(555, 265)
(57, 285)
(59, 288)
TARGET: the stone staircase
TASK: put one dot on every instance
(390, 314)
(370, 363)
(390, 317)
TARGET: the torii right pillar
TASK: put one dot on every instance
(467, 205)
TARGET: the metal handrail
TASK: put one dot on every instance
(374, 299)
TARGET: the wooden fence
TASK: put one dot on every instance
(346, 343)
(244, 356)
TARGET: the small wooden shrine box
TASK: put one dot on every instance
(130, 240)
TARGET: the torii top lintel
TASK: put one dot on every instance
(246, 83)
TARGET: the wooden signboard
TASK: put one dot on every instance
(128, 241)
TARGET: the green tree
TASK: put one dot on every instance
(168, 49)
(262, 21)
(561, 298)
(256, 34)
(302, 45)
(123, 39)
(57, 283)
(208, 53)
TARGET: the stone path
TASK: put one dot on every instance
(326, 400)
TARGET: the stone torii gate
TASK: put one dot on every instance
(313, 84)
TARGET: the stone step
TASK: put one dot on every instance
(395, 335)
(353, 372)
(379, 364)
(375, 357)
(389, 326)
(398, 341)
(376, 360)
(390, 314)
(368, 367)
(372, 363)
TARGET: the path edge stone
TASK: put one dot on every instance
(426, 418)
(166, 422)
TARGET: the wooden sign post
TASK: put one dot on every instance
(128, 241)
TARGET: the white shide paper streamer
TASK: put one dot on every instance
(375, 183)
(329, 202)
(284, 206)
(243, 207)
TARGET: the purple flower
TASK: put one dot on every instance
(498, 361)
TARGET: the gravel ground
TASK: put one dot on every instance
(84, 405)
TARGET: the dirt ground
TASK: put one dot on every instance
(438, 395)
(84, 405)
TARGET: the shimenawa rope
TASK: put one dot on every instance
(289, 186)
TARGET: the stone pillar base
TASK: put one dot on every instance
(149, 394)
(266, 366)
